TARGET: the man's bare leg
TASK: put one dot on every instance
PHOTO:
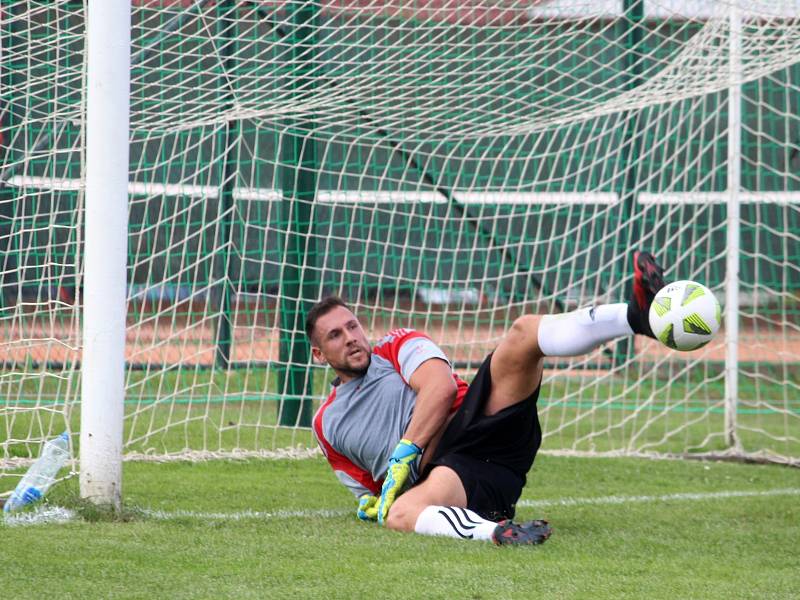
(442, 487)
(517, 362)
(437, 506)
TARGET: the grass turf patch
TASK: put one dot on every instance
(300, 538)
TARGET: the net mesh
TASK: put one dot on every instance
(445, 165)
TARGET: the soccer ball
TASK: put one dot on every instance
(685, 315)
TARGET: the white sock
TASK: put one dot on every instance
(454, 521)
(580, 331)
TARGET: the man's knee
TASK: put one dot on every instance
(402, 516)
(521, 342)
(442, 487)
(516, 366)
(524, 329)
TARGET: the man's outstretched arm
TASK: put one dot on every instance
(436, 391)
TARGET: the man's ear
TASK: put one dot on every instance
(318, 356)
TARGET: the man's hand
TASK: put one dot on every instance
(405, 453)
(368, 507)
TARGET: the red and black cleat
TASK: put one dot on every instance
(531, 532)
(648, 279)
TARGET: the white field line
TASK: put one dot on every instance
(54, 514)
(602, 500)
(40, 516)
(163, 515)
(682, 497)
(293, 514)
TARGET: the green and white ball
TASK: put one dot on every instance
(685, 315)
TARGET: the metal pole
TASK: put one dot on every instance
(9, 289)
(634, 15)
(221, 269)
(108, 43)
(298, 287)
(733, 225)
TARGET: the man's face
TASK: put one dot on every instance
(340, 341)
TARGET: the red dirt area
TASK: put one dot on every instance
(188, 338)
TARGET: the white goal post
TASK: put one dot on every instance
(180, 180)
(108, 61)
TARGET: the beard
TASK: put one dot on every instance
(351, 370)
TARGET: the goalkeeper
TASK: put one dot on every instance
(422, 450)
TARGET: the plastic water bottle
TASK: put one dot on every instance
(41, 474)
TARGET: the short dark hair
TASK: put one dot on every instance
(321, 308)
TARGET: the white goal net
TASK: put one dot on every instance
(441, 164)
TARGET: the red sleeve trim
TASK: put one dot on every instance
(461, 391)
(339, 462)
(389, 346)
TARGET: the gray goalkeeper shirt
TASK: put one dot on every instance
(362, 420)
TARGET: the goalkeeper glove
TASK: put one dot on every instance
(405, 453)
(368, 508)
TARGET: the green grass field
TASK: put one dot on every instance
(624, 528)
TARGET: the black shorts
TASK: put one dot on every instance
(491, 454)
